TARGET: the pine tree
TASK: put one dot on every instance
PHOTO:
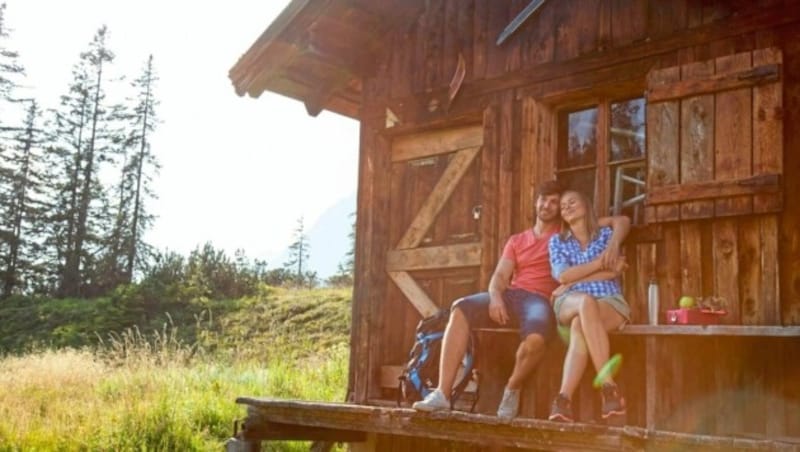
(125, 250)
(299, 253)
(26, 209)
(16, 164)
(346, 269)
(84, 138)
(10, 70)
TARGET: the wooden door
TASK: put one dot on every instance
(434, 228)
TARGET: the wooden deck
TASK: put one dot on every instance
(343, 422)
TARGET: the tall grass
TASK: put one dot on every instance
(148, 392)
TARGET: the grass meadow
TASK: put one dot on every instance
(134, 390)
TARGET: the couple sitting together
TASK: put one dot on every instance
(571, 257)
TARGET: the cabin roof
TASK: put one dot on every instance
(319, 51)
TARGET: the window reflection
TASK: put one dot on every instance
(627, 129)
(581, 139)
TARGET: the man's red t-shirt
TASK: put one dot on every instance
(531, 262)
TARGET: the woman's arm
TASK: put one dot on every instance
(576, 273)
(590, 271)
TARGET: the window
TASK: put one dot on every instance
(601, 152)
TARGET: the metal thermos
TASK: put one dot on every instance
(652, 302)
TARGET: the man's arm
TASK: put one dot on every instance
(497, 285)
(620, 227)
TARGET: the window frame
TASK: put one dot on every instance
(602, 165)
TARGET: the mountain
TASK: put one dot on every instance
(329, 239)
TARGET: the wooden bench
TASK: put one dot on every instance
(650, 369)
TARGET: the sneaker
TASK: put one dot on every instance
(561, 410)
(509, 406)
(613, 402)
(435, 401)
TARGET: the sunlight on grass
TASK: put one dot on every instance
(148, 392)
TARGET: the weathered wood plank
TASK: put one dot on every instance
(630, 21)
(480, 38)
(691, 259)
(498, 17)
(489, 186)
(789, 250)
(488, 430)
(726, 268)
(546, 133)
(697, 142)
(769, 297)
(539, 39)
(450, 256)
(759, 75)
(733, 145)
(421, 301)
(663, 138)
(765, 183)
(438, 197)
(437, 142)
(670, 268)
(665, 18)
(528, 139)
(749, 254)
(451, 38)
(767, 130)
(506, 171)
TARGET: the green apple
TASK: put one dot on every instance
(686, 302)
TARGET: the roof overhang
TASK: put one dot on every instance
(320, 51)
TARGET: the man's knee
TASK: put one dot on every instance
(532, 345)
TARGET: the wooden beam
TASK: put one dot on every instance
(438, 197)
(448, 256)
(765, 183)
(480, 429)
(421, 301)
(437, 142)
(274, 431)
(743, 79)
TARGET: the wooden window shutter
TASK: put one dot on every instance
(715, 137)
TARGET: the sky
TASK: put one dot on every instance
(236, 171)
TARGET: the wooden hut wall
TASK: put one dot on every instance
(575, 49)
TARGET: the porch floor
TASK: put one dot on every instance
(280, 419)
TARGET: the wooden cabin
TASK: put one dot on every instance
(678, 113)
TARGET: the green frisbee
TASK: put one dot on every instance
(609, 369)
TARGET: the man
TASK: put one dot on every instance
(519, 294)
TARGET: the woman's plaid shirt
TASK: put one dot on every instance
(568, 253)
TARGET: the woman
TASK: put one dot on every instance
(589, 301)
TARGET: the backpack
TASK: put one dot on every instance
(421, 373)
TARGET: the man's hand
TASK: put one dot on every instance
(497, 310)
(620, 265)
(610, 257)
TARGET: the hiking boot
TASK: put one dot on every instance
(613, 402)
(435, 401)
(561, 410)
(509, 406)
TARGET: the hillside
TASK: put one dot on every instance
(302, 321)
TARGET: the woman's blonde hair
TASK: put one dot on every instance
(591, 217)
